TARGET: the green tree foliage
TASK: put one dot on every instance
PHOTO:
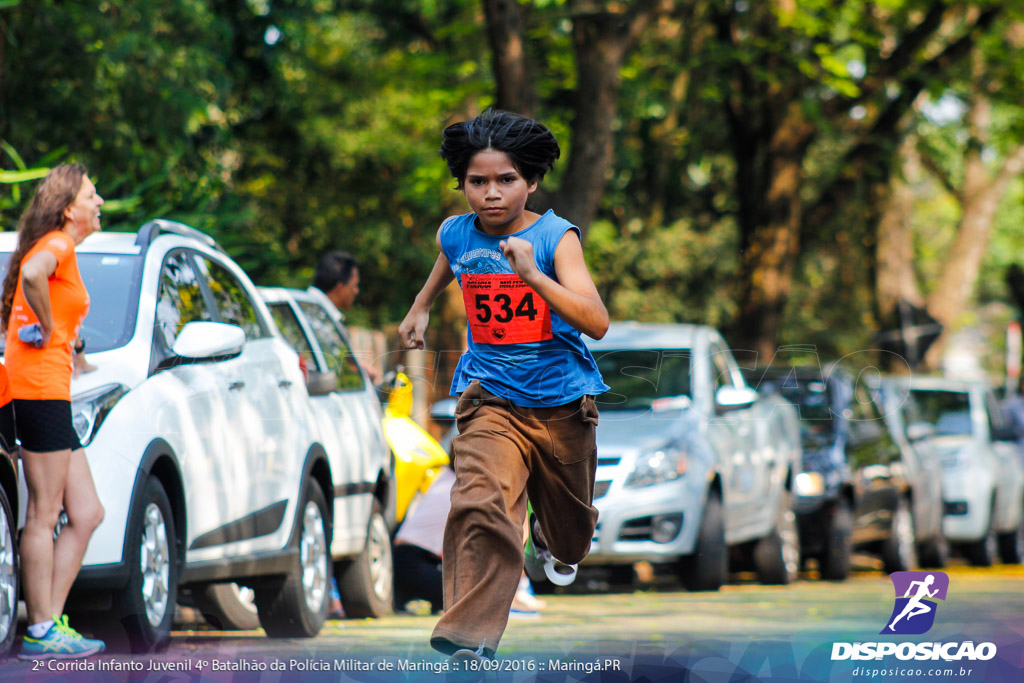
(751, 146)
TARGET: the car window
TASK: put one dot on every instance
(290, 327)
(180, 298)
(233, 302)
(338, 354)
(866, 423)
(113, 282)
(996, 422)
(639, 377)
(949, 411)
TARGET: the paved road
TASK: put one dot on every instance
(774, 633)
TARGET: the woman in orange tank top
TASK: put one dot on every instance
(44, 303)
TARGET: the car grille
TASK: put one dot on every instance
(958, 507)
(636, 530)
(601, 488)
(610, 461)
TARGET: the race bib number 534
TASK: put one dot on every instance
(502, 309)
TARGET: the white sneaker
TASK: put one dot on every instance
(540, 564)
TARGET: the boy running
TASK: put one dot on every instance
(526, 413)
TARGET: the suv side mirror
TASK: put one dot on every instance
(207, 340)
(321, 383)
(733, 398)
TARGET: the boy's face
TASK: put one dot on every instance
(496, 192)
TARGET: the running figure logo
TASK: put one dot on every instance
(916, 592)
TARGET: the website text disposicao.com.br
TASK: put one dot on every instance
(901, 672)
(958, 658)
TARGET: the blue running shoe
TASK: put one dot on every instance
(60, 642)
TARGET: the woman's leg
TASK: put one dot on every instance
(85, 513)
(45, 477)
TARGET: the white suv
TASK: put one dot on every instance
(349, 416)
(203, 443)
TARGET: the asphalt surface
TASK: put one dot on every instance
(656, 631)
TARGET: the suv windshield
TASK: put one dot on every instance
(812, 400)
(640, 377)
(949, 411)
(112, 281)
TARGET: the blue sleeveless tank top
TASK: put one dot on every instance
(519, 353)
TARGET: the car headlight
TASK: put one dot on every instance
(658, 466)
(809, 484)
(88, 410)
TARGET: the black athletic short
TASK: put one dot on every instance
(7, 428)
(44, 426)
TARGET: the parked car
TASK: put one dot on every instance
(691, 461)
(10, 574)
(983, 476)
(923, 469)
(203, 442)
(862, 484)
(349, 416)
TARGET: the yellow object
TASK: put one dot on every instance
(419, 458)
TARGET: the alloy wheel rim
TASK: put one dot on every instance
(379, 557)
(8, 579)
(313, 557)
(155, 561)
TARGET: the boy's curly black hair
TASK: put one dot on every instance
(530, 146)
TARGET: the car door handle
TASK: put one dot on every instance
(284, 383)
(235, 385)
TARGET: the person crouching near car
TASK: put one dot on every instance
(44, 303)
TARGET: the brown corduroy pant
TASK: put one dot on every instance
(503, 454)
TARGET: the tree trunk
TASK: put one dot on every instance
(897, 279)
(600, 43)
(983, 190)
(602, 36)
(770, 235)
(981, 197)
(508, 56)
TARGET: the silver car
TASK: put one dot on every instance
(691, 461)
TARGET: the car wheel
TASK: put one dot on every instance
(366, 582)
(777, 555)
(296, 606)
(1011, 545)
(835, 560)
(899, 549)
(982, 552)
(142, 612)
(228, 606)
(706, 569)
(8, 576)
(934, 553)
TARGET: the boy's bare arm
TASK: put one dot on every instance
(574, 296)
(414, 327)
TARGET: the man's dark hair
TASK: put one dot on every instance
(334, 267)
(529, 145)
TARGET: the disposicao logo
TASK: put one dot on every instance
(916, 593)
(913, 614)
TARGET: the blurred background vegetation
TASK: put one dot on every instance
(785, 170)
